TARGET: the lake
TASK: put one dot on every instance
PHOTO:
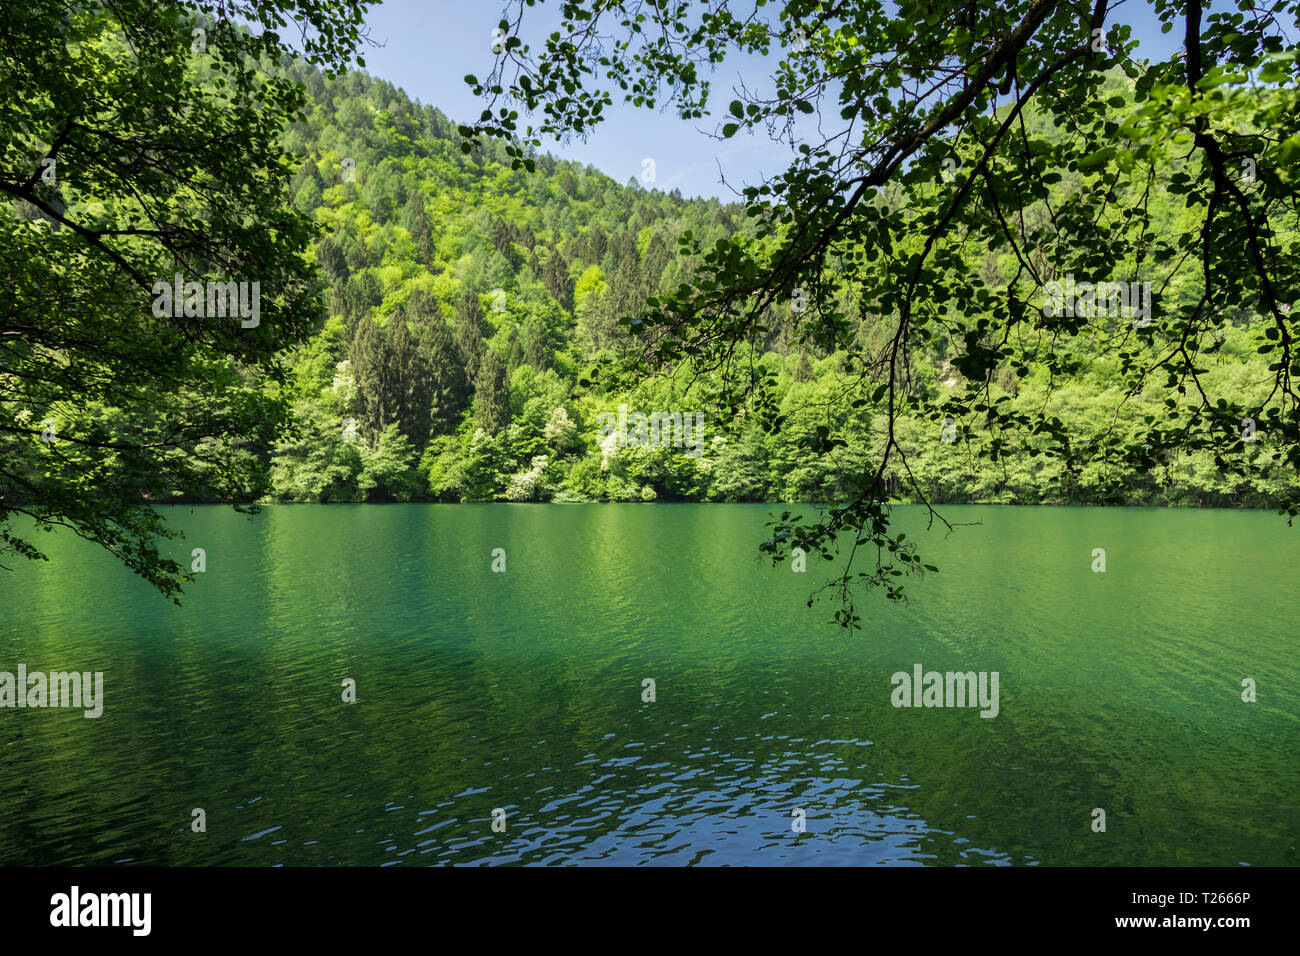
(525, 691)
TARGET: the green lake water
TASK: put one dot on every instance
(523, 691)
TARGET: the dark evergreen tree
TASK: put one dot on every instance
(555, 276)
(360, 296)
(407, 381)
(492, 393)
(367, 356)
(393, 383)
(332, 261)
(535, 343)
(417, 224)
(470, 332)
(446, 388)
(513, 351)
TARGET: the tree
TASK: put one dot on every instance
(388, 469)
(492, 393)
(361, 294)
(535, 342)
(147, 151)
(927, 133)
(447, 385)
(330, 258)
(316, 463)
(555, 276)
(394, 384)
(417, 224)
(470, 329)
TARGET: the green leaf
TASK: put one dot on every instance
(1098, 158)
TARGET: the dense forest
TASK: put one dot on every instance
(465, 300)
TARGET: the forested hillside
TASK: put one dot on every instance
(465, 300)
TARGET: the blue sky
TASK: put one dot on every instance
(429, 46)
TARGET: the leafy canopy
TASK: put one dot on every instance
(139, 141)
